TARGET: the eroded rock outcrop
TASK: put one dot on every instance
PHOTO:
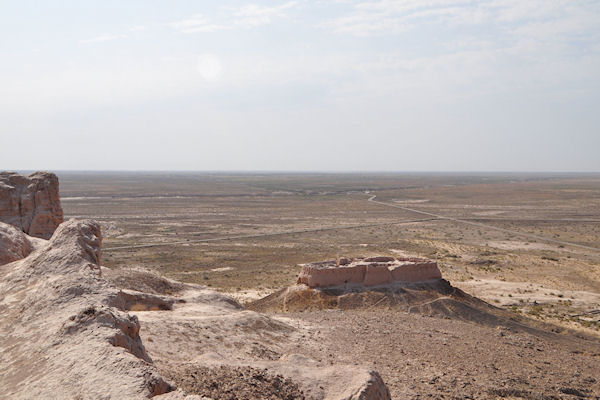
(373, 271)
(31, 203)
(65, 329)
(59, 335)
(14, 244)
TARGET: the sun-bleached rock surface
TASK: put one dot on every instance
(372, 271)
(59, 336)
(68, 330)
(14, 244)
(31, 203)
(205, 329)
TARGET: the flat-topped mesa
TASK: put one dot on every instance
(372, 271)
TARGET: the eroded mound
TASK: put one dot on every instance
(142, 281)
(410, 285)
(58, 332)
(406, 297)
(435, 298)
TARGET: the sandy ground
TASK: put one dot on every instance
(429, 357)
(512, 293)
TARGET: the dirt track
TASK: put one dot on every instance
(462, 221)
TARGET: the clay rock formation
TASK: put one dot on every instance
(59, 336)
(371, 271)
(65, 330)
(14, 244)
(31, 203)
(227, 337)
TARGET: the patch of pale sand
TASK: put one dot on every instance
(128, 236)
(173, 224)
(400, 253)
(221, 269)
(497, 292)
(488, 213)
(81, 198)
(245, 296)
(299, 324)
(521, 245)
(452, 248)
(413, 201)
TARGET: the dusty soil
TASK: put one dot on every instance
(246, 233)
(327, 216)
(232, 383)
(430, 357)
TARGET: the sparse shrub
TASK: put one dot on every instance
(549, 258)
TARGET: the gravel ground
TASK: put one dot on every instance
(442, 358)
(233, 383)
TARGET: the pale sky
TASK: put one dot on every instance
(407, 85)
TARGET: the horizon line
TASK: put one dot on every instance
(335, 172)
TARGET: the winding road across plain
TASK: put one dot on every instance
(431, 217)
(486, 226)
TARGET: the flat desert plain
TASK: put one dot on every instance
(526, 243)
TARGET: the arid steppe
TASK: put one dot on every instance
(525, 243)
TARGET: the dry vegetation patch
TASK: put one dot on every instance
(193, 210)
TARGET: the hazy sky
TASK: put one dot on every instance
(410, 85)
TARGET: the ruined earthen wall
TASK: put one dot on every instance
(377, 274)
(372, 271)
(417, 272)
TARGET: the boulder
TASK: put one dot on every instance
(31, 203)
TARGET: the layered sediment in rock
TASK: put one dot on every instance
(373, 271)
(31, 203)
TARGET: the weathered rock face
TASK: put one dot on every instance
(59, 335)
(31, 203)
(65, 330)
(14, 244)
(372, 271)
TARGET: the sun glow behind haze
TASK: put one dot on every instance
(283, 85)
(209, 67)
